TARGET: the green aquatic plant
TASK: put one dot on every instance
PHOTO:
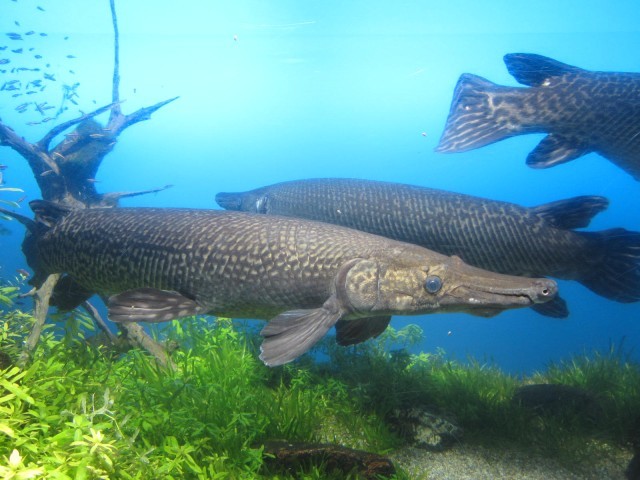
(79, 410)
(383, 376)
(8, 293)
(76, 412)
(613, 380)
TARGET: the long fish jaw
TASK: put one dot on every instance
(470, 288)
(251, 201)
(435, 284)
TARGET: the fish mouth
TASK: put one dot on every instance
(533, 291)
(229, 201)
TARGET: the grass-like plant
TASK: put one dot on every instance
(479, 396)
(80, 411)
(76, 412)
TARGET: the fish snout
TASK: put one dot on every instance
(491, 287)
(480, 289)
(543, 290)
(517, 291)
(229, 201)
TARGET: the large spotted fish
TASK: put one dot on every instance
(581, 111)
(304, 276)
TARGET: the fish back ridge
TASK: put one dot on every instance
(614, 272)
(534, 70)
(472, 120)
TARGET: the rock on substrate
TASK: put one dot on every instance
(424, 429)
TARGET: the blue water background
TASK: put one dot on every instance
(283, 90)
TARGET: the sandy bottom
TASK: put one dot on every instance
(471, 462)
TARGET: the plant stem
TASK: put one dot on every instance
(41, 306)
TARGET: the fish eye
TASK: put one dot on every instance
(433, 284)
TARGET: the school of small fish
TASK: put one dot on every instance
(26, 73)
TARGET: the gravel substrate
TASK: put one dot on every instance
(466, 462)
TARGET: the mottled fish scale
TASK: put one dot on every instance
(499, 236)
(122, 249)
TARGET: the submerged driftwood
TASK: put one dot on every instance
(290, 457)
(66, 173)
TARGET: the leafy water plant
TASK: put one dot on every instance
(75, 412)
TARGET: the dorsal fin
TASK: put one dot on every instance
(533, 70)
(48, 213)
(575, 212)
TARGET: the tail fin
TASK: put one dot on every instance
(472, 121)
(47, 213)
(615, 272)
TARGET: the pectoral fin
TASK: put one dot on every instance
(150, 305)
(293, 333)
(350, 332)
